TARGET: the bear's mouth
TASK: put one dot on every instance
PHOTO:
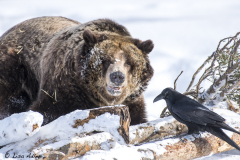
(114, 90)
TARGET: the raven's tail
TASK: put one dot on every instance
(227, 127)
(220, 134)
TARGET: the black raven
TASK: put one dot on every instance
(195, 115)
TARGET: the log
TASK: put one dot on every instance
(156, 130)
(58, 136)
(76, 147)
(186, 149)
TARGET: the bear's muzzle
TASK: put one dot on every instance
(117, 78)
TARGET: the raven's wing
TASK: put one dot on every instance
(191, 111)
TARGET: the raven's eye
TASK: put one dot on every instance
(166, 95)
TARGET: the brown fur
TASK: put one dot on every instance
(55, 65)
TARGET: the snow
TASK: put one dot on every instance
(184, 33)
(101, 138)
(117, 60)
(97, 58)
(17, 127)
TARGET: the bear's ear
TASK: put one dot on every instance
(89, 37)
(146, 46)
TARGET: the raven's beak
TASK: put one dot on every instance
(159, 97)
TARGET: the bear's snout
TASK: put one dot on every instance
(117, 78)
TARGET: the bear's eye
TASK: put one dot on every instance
(127, 64)
(106, 63)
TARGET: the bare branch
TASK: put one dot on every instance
(175, 84)
(166, 113)
(223, 72)
(198, 70)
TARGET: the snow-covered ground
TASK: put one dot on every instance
(184, 32)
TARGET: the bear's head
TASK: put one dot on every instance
(114, 68)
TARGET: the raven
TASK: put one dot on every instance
(196, 116)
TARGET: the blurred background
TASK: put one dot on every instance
(184, 32)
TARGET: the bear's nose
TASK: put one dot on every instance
(117, 77)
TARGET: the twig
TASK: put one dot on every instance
(198, 70)
(164, 113)
(20, 50)
(175, 85)
(46, 93)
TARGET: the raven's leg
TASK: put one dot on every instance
(193, 128)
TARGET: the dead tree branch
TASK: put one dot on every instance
(175, 82)
(222, 70)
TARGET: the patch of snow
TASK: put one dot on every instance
(96, 53)
(99, 138)
(123, 152)
(19, 126)
(117, 60)
(105, 122)
(214, 95)
(120, 152)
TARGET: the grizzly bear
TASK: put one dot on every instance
(55, 65)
